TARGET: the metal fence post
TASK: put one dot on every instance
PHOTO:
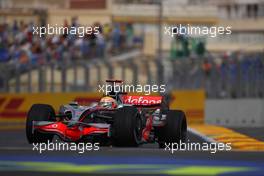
(99, 76)
(5, 78)
(175, 75)
(29, 78)
(42, 78)
(86, 77)
(160, 71)
(149, 76)
(52, 77)
(6, 83)
(75, 75)
(63, 78)
(135, 73)
(123, 71)
(110, 70)
(17, 77)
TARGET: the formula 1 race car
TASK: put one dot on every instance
(119, 119)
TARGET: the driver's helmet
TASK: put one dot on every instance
(108, 102)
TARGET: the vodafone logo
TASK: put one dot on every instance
(142, 100)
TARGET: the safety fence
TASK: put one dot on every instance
(230, 78)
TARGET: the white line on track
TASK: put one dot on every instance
(205, 138)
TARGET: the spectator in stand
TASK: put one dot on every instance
(116, 37)
(207, 67)
(100, 42)
(19, 45)
(129, 34)
(107, 31)
(15, 27)
(4, 55)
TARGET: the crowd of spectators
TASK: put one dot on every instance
(237, 74)
(232, 75)
(234, 64)
(217, 74)
(18, 44)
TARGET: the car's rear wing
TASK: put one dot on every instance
(114, 81)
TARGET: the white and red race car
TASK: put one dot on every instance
(133, 120)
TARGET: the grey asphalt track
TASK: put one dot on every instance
(15, 153)
(254, 132)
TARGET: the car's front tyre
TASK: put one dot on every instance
(39, 112)
(127, 127)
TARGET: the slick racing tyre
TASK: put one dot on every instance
(127, 127)
(39, 112)
(164, 104)
(175, 129)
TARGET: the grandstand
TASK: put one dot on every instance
(227, 60)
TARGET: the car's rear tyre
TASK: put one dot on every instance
(175, 129)
(164, 104)
(39, 112)
(127, 127)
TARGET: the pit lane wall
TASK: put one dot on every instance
(235, 112)
(192, 102)
(13, 106)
